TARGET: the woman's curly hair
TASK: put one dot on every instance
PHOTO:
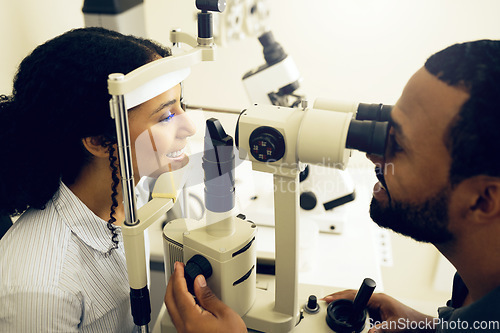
(59, 97)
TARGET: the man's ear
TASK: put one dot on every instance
(95, 146)
(487, 204)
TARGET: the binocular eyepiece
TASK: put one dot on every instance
(322, 135)
(377, 112)
(369, 131)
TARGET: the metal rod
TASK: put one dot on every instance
(142, 329)
(120, 115)
(212, 109)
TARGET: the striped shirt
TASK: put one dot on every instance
(57, 273)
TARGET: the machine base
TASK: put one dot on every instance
(315, 322)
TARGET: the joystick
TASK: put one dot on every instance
(345, 316)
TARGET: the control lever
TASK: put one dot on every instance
(345, 316)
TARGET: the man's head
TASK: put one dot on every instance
(442, 144)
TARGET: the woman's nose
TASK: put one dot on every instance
(186, 126)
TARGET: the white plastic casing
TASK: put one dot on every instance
(300, 129)
(259, 85)
(332, 128)
(229, 262)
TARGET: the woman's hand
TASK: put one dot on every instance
(389, 315)
(210, 316)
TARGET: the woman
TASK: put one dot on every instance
(62, 264)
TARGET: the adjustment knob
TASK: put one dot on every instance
(312, 305)
(211, 5)
(267, 144)
(308, 200)
(264, 147)
(195, 266)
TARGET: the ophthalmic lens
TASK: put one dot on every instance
(377, 112)
(368, 136)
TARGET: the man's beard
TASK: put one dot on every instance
(426, 222)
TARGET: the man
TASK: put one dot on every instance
(443, 188)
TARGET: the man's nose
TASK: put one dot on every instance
(376, 159)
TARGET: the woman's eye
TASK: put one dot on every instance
(168, 117)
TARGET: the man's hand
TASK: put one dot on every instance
(210, 316)
(389, 314)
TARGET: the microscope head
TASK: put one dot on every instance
(277, 138)
(277, 79)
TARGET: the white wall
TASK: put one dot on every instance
(351, 49)
(24, 24)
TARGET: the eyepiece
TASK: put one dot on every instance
(377, 112)
(369, 136)
(211, 5)
(273, 51)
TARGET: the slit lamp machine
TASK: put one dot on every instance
(276, 82)
(277, 140)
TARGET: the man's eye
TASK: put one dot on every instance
(394, 147)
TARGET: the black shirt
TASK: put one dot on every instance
(481, 316)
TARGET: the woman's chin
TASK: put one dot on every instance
(171, 164)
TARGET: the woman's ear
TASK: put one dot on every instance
(95, 146)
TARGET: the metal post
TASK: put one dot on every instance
(139, 296)
(120, 114)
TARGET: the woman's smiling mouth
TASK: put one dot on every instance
(176, 154)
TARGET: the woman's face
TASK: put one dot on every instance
(158, 131)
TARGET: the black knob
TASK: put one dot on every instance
(211, 5)
(264, 146)
(195, 266)
(312, 305)
(308, 200)
(267, 144)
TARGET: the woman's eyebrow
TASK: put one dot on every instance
(163, 105)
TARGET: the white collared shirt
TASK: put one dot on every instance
(57, 273)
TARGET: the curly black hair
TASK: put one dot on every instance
(474, 134)
(114, 192)
(59, 97)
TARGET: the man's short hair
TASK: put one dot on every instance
(473, 137)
